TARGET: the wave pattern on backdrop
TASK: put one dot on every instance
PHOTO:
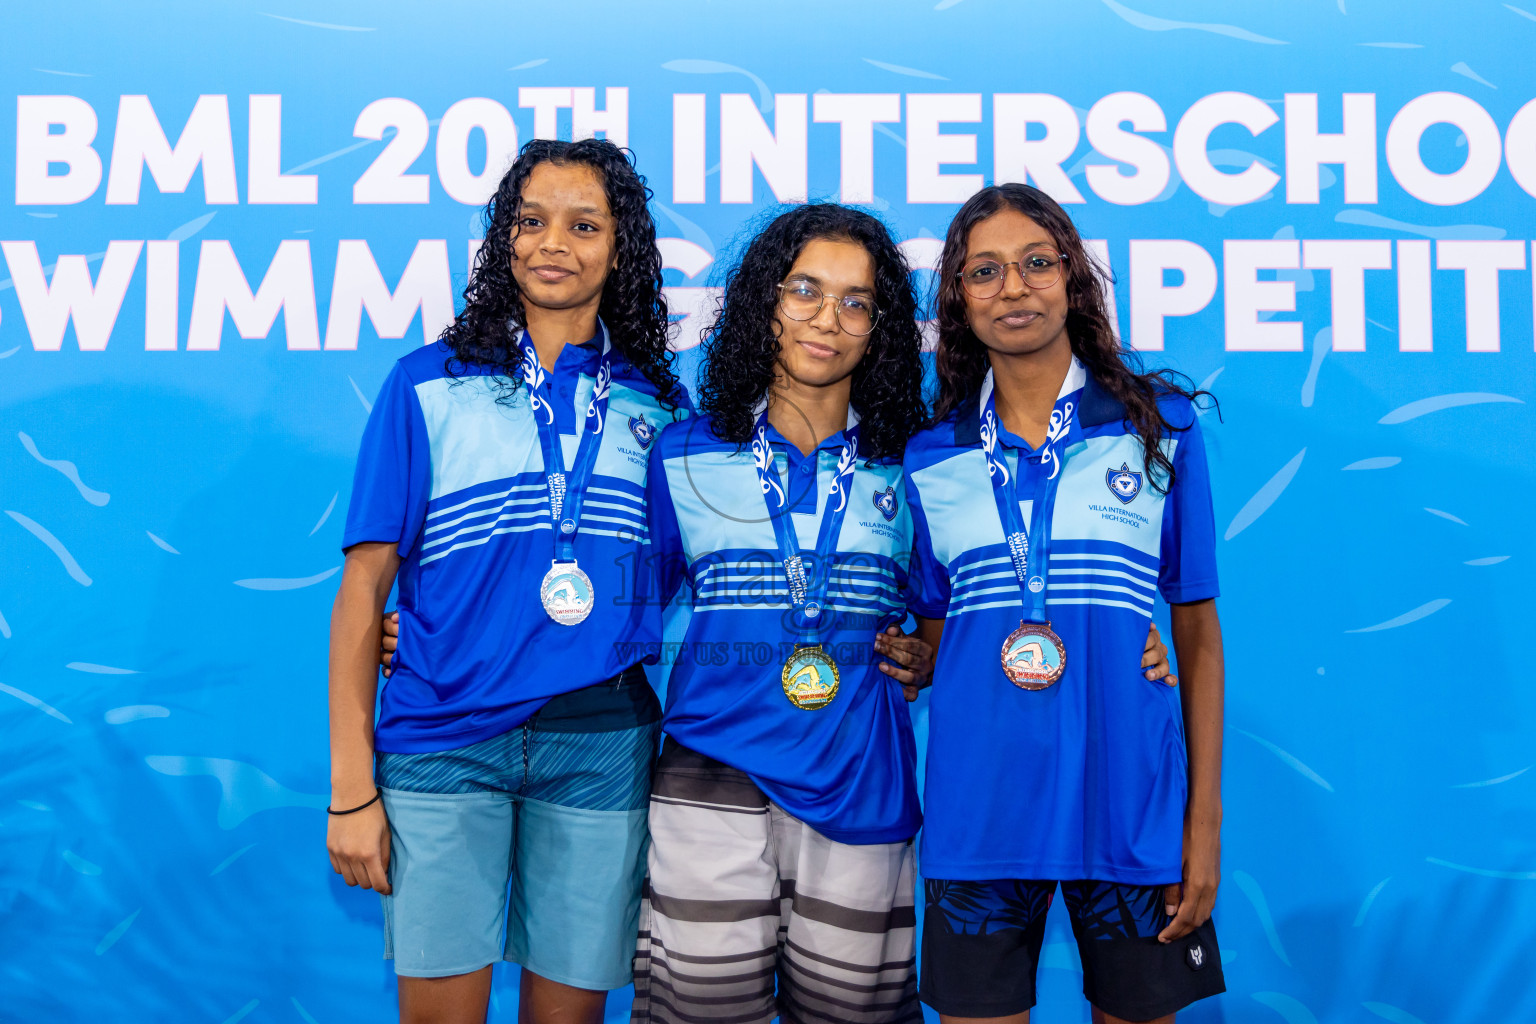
(226, 223)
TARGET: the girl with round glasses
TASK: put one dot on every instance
(785, 801)
(1058, 494)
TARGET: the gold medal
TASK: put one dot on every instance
(1033, 656)
(810, 677)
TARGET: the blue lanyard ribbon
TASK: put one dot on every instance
(1030, 550)
(567, 490)
(807, 591)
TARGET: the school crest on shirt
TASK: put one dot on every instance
(1123, 483)
(643, 431)
(887, 502)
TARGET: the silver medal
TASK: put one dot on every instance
(566, 593)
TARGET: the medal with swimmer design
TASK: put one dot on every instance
(810, 677)
(1033, 656)
(566, 593)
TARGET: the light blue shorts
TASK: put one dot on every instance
(529, 846)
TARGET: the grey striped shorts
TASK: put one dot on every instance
(743, 899)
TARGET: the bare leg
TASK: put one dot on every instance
(1100, 1017)
(541, 1001)
(1012, 1018)
(457, 999)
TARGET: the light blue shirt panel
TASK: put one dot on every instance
(724, 507)
(622, 455)
(864, 526)
(718, 505)
(474, 439)
(1086, 509)
(961, 524)
(570, 442)
(961, 516)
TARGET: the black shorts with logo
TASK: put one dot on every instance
(981, 945)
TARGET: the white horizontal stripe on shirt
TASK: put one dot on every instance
(518, 504)
(1107, 573)
(634, 500)
(505, 517)
(636, 511)
(493, 496)
(1059, 557)
(1096, 588)
(971, 593)
(587, 517)
(767, 605)
(1104, 602)
(543, 524)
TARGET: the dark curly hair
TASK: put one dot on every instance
(962, 361)
(741, 349)
(632, 306)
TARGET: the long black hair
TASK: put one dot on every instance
(962, 361)
(741, 349)
(632, 306)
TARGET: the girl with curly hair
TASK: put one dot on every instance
(785, 801)
(1059, 492)
(502, 483)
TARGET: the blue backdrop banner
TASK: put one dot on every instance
(224, 223)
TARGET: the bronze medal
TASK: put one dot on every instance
(1033, 656)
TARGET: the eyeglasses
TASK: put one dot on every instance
(802, 300)
(983, 278)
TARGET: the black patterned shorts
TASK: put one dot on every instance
(981, 945)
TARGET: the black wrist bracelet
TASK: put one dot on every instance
(378, 792)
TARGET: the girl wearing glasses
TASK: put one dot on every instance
(1057, 495)
(784, 803)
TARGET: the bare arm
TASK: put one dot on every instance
(358, 843)
(930, 631)
(1202, 674)
(927, 636)
(910, 659)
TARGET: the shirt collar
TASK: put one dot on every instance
(582, 358)
(833, 442)
(1097, 408)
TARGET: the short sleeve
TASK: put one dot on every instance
(667, 558)
(392, 483)
(1188, 570)
(927, 590)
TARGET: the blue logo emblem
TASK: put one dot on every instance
(1123, 483)
(887, 502)
(643, 431)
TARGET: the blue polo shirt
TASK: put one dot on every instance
(848, 770)
(1085, 779)
(451, 471)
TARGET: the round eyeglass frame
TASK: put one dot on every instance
(837, 310)
(1018, 264)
